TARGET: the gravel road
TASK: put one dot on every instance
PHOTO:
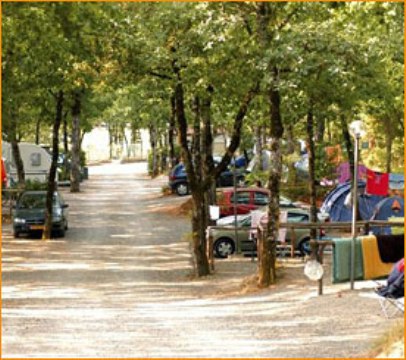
(119, 285)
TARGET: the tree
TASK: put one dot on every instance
(52, 172)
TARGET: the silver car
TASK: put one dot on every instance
(225, 242)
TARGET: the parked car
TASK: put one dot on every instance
(224, 240)
(246, 200)
(178, 179)
(29, 213)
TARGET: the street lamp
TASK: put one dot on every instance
(357, 130)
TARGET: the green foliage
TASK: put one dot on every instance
(252, 178)
(35, 185)
(341, 61)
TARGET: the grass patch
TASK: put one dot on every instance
(384, 345)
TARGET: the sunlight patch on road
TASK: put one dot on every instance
(14, 292)
(50, 266)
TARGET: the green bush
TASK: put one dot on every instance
(35, 185)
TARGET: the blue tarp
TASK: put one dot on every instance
(396, 181)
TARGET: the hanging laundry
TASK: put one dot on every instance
(344, 174)
(396, 181)
(391, 247)
(374, 268)
(341, 260)
(377, 183)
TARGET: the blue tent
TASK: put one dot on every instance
(338, 206)
(385, 209)
(389, 207)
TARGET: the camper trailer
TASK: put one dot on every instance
(36, 160)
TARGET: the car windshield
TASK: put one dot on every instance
(34, 201)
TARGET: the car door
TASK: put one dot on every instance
(243, 200)
(260, 198)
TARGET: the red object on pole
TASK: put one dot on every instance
(377, 183)
(3, 174)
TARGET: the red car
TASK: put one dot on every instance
(247, 199)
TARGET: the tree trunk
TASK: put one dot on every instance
(267, 275)
(153, 142)
(312, 171)
(65, 134)
(52, 172)
(258, 141)
(37, 130)
(196, 142)
(200, 217)
(207, 148)
(321, 128)
(18, 161)
(75, 153)
(171, 133)
(200, 220)
(348, 144)
(65, 144)
(198, 211)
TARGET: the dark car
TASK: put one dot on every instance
(29, 213)
(178, 179)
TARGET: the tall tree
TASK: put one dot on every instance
(52, 171)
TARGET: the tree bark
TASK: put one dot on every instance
(37, 131)
(65, 143)
(18, 161)
(200, 217)
(196, 142)
(321, 128)
(348, 144)
(200, 221)
(237, 128)
(171, 133)
(258, 141)
(52, 171)
(207, 148)
(153, 143)
(75, 153)
(312, 170)
(198, 212)
(267, 275)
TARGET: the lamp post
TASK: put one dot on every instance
(356, 129)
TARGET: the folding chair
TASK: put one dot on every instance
(391, 306)
(391, 297)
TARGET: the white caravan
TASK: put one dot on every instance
(37, 161)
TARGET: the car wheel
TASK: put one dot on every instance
(224, 247)
(182, 189)
(304, 247)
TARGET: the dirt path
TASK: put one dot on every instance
(119, 285)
